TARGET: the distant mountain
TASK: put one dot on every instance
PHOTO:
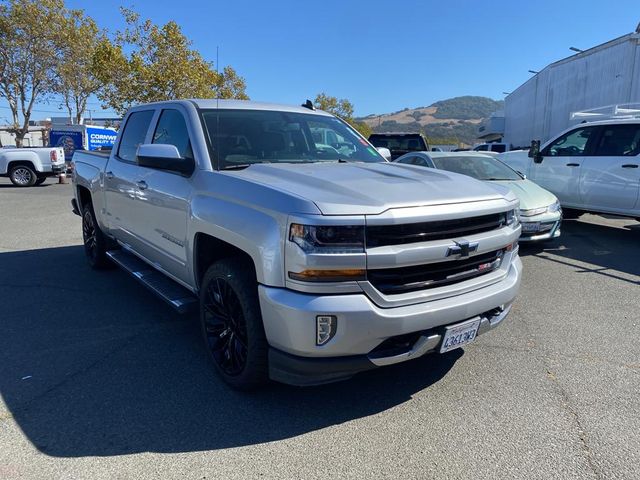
(454, 120)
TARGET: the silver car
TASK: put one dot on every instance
(540, 211)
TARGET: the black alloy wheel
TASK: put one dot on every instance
(231, 323)
(95, 243)
(225, 327)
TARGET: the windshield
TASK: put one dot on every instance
(482, 168)
(410, 143)
(239, 138)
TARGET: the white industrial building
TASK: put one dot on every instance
(541, 107)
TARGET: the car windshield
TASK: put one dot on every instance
(480, 167)
(410, 143)
(239, 138)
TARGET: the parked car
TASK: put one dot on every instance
(592, 167)
(30, 166)
(399, 143)
(308, 264)
(540, 212)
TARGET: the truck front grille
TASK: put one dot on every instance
(420, 277)
(383, 235)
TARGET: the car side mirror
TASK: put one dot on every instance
(164, 157)
(534, 151)
(385, 152)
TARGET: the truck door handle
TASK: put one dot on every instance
(573, 164)
(108, 175)
(142, 185)
(630, 165)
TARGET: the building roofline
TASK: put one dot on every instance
(585, 53)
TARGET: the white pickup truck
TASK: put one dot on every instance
(26, 167)
(590, 167)
(309, 262)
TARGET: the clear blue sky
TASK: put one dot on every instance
(383, 56)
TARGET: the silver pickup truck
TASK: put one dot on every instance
(309, 257)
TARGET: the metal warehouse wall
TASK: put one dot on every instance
(604, 75)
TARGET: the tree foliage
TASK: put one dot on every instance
(467, 107)
(342, 108)
(31, 46)
(77, 80)
(146, 63)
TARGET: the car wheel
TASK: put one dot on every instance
(95, 242)
(570, 213)
(22, 176)
(232, 324)
(40, 180)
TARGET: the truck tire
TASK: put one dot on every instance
(40, 180)
(570, 213)
(22, 176)
(231, 324)
(95, 242)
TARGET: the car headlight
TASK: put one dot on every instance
(554, 207)
(328, 238)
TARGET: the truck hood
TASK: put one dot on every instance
(370, 188)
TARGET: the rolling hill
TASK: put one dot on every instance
(454, 120)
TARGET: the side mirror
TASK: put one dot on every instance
(534, 151)
(164, 157)
(385, 152)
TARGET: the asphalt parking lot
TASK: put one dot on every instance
(99, 379)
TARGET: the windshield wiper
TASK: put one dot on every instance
(239, 166)
(499, 179)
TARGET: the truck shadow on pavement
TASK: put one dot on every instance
(609, 251)
(91, 364)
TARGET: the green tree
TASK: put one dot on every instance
(31, 46)
(342, 108)
(159, 64)
(77, 80)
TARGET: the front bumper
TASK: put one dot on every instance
(548, 227)
(290, 325)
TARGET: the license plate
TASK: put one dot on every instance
(531, 227)
(459, 335)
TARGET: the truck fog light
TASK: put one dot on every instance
(326, 326)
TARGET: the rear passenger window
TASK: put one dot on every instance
(134, 133)
(172, 130)
(498, 148)
(619, 141)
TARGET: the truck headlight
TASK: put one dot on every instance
(512, 218)
(328, 239)
(554, 207)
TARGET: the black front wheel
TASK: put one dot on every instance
(232, 324)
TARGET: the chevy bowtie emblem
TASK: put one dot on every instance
(462, 248)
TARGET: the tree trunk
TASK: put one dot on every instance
(19, 139)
